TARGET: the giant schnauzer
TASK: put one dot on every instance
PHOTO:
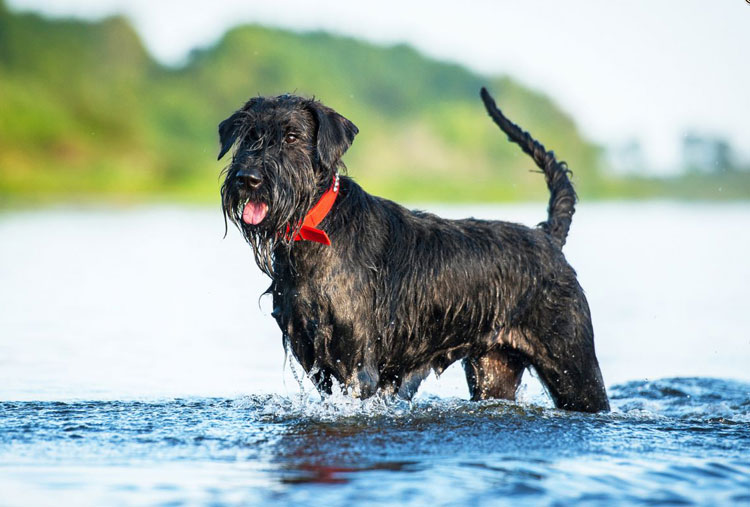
(374, 296)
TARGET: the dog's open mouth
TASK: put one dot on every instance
(253, 213)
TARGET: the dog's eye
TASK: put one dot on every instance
(290, 139)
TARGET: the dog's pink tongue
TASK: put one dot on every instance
(254, 212)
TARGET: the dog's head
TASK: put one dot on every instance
(287, 150)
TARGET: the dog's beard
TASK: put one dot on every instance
(271, 217)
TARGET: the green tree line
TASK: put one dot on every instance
(87, 113)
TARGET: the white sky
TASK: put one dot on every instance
(648, 69)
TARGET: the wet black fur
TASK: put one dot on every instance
(400, 292)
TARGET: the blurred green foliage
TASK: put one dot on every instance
(86, 113)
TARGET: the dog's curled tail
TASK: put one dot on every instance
(562, 195)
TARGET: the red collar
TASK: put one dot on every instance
(309, 232)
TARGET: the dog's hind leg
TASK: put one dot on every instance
(495, 374)
(567, 366)
(573, 384)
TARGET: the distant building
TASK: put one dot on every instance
(706, 154)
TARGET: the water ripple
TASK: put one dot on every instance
(676, 440)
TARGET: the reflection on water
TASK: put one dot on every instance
(136, 366)
(326, 474)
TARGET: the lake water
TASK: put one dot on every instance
(139, 366)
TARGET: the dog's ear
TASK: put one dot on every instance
(335, 134)
(229, 129)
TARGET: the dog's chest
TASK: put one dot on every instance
(310, 291)
(297, 310)
(320, 310)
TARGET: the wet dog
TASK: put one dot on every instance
(374, 296)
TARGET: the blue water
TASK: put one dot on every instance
(675, 441)
(137, 367)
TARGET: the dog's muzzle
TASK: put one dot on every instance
(253, 210)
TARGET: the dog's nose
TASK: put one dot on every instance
(249, 177)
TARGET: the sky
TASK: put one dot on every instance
(637, 69)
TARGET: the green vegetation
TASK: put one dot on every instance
(86, 113)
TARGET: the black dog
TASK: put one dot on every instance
(378, 295)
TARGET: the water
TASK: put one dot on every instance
(675, 441)
(138, 367)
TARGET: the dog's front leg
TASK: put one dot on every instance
(322, 379)
(355, 363)
(363, 383)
